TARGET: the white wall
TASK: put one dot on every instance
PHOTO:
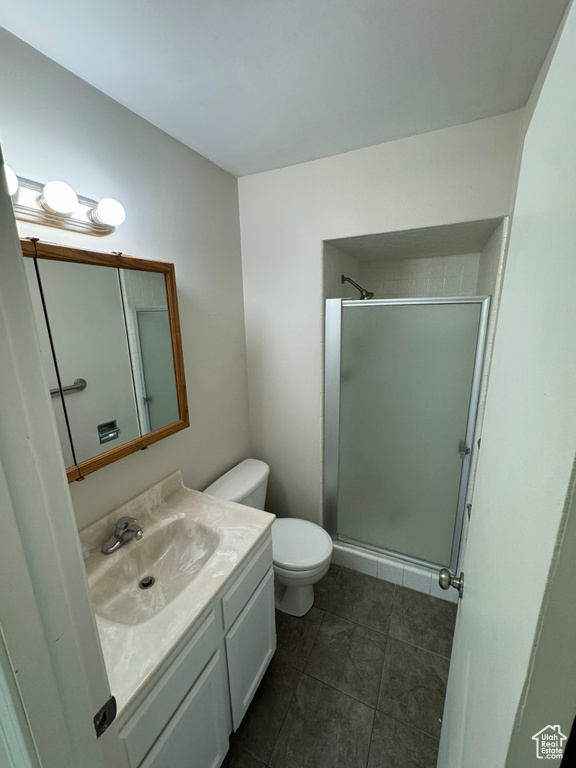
(458, 174)
(528, 441)
(550, 690)
(180, 208)
(337, 263)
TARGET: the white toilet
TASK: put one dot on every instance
(301, 550)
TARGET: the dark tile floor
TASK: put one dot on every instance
(359, 682)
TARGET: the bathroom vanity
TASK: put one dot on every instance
(185, 655)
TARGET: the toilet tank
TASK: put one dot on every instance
(245, 483)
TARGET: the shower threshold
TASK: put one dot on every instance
(370, 548)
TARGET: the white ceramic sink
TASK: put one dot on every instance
(171, 553)
(191, 545)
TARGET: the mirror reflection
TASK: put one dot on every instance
(149, 340)
(108, 354)
(48, 363)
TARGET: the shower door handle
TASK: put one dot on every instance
(447, 580)
(463, 449)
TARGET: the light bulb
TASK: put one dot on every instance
(11, 180)
(109, 212)
(59, 198)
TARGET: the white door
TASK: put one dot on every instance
(528, 440)
(45, 614)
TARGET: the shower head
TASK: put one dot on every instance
(364, 294)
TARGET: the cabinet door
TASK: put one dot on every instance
(196, 736)
(159, 706)
(250, 645)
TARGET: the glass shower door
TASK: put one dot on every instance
(409, 372)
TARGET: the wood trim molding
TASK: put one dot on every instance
(54, 252)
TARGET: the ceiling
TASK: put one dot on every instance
(260, 84)
(445, 240)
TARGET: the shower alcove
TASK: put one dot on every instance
(405, 382)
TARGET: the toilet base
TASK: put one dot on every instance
(295, 601)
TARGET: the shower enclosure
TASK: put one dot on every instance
(401, 397)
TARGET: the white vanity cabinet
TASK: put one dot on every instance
(204, 690)
(248, 610)
(197, 733)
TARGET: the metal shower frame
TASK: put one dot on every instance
(333, 350)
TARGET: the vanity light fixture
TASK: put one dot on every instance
(58, 197)
(108, 212)
(11, 180)
(56, 204)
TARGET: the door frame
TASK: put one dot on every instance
(333, 354)
(46, 617)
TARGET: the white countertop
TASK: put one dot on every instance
(133, 652)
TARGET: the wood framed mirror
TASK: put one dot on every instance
(111, 343)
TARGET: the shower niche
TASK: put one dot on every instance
(408, 346)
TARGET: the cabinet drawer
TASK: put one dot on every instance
(238, 595)
(144, 727)
(197, 734)
(250, 645)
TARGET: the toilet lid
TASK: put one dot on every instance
(299, 545)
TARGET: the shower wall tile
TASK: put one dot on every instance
(420, 287)
(417, 578)
(366, 563)
(490, 262)
(436, 286)
(424, 277)
(452, 286)
(468, 286)
(343, 554)
(391, 570)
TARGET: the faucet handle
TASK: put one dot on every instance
(124, 523)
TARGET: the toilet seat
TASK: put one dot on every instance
(286, 576)
(299, 545)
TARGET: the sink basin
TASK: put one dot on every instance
(192, 544)
(170, 554)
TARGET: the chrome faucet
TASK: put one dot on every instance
(127, 528)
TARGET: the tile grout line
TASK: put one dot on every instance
(374, 709)
(382, 670)
(329, 601)
(357, 623)
(344, 693)
(371, 737)
(420, 648)
(261, 762)
(370, 706)
(295, 689)
(314, 639)
(410, 725)
(382, 673)
(269, 761)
